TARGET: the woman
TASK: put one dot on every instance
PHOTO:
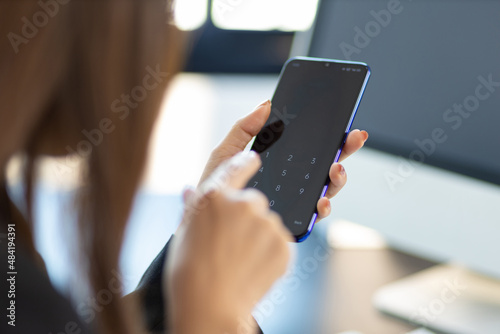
(63, 64)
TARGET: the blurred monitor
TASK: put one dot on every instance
(433, 63)
(431, 181)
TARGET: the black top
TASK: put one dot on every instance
(29, 300)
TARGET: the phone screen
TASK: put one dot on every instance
(312, 110)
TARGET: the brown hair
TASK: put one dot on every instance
(68, 67)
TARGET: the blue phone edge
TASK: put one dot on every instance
(304, 236)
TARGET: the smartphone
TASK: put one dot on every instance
(313, 108)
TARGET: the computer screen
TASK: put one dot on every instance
(434, 96)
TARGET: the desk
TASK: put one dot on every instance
(335, 295)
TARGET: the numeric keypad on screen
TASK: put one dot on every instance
(285, 176)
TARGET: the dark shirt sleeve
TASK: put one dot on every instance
(150, 289)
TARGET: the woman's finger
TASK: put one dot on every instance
(355, 140)
(238, 138)
(246, 128)
(324, 208)
(338, 179)
(233, 173)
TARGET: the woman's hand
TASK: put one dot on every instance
(228, 251)
(248, 127)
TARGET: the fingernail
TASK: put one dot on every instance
(187, 193)
(244, 157)
(263, 103)
(248, 154)
(342, 170)
(365, 135)
(252, 154)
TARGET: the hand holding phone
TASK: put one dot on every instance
(312, 111)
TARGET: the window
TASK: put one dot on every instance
(260, 15)
(190, 14)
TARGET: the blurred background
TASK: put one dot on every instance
(413, 237)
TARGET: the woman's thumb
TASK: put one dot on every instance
(248, 127)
